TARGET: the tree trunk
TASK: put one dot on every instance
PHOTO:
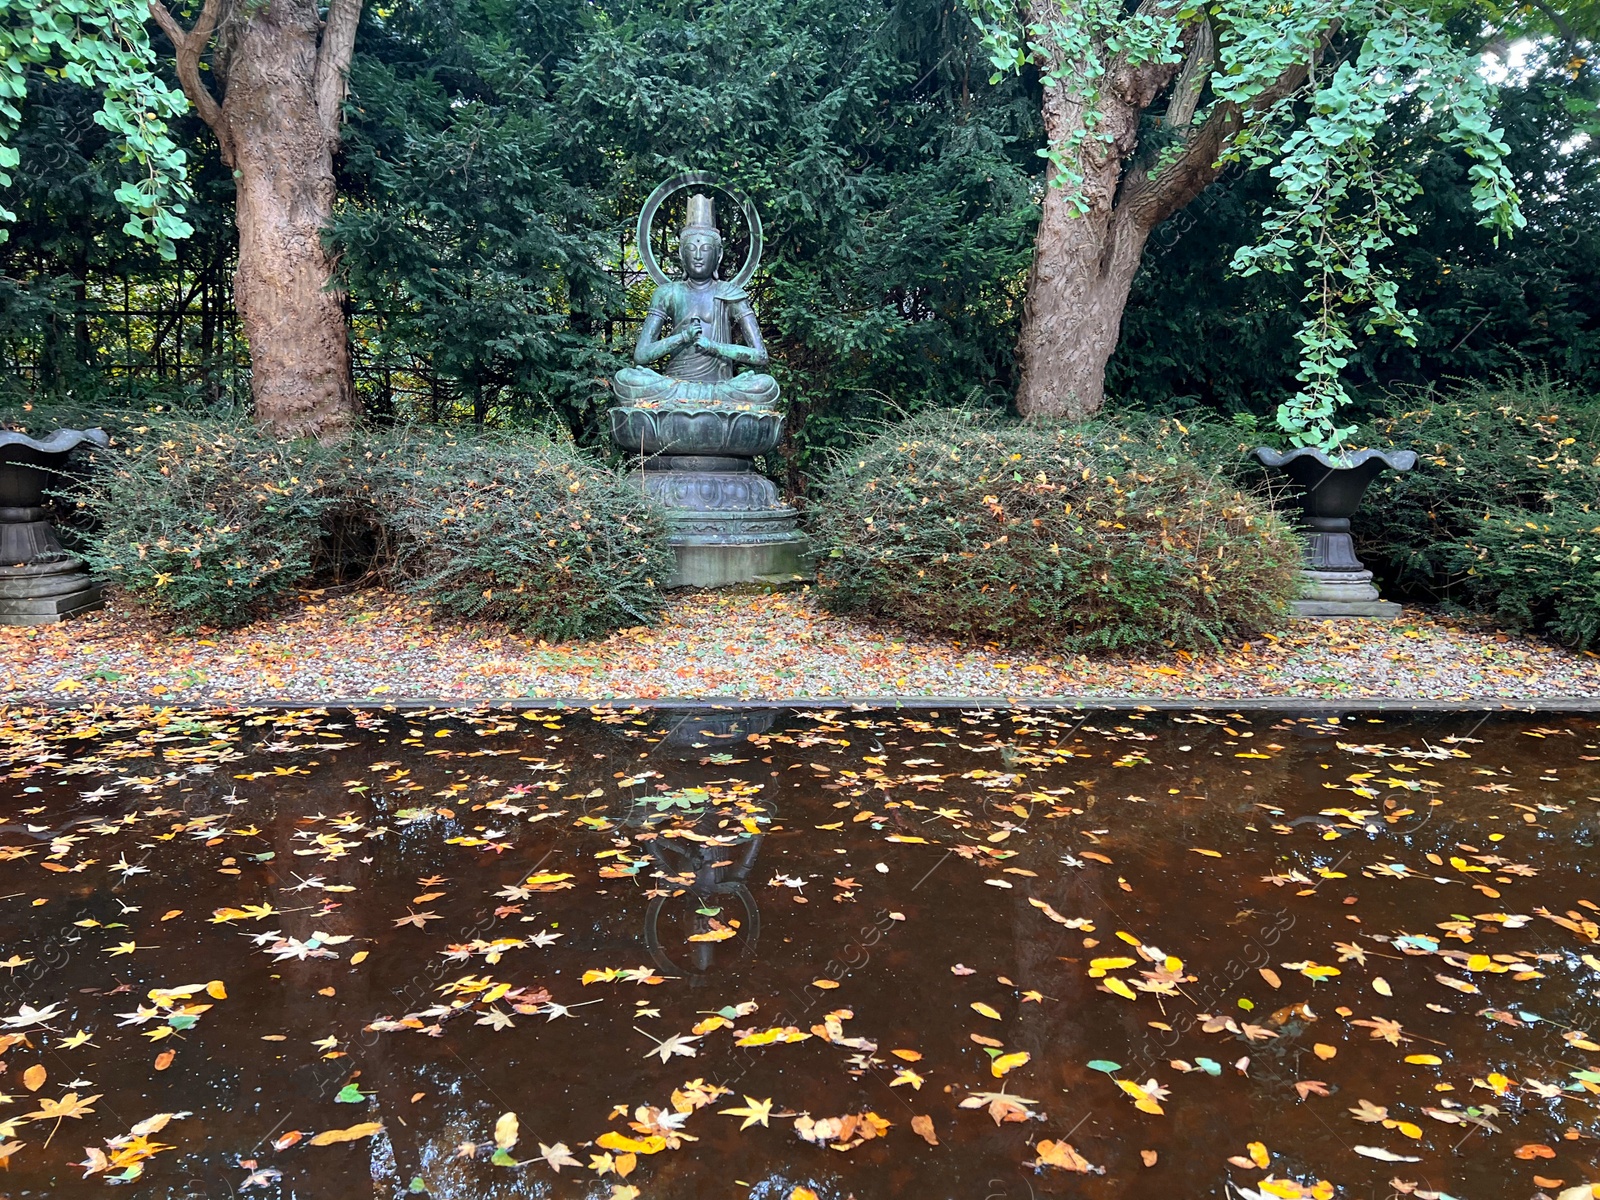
(283, 170)
(1084, 258)
(283, 68)
(1083, 269)
(1092, 237)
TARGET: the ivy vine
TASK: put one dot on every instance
(101, 44)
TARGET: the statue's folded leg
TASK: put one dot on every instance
(634, 385)
(752, 387)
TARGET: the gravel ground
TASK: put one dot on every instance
(376, 645)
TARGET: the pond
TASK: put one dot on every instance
(977, 954)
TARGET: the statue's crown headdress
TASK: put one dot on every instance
(701, 216)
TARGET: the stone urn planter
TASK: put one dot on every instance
(1337, 584)
(40, 582)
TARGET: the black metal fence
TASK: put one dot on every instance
(176, 331)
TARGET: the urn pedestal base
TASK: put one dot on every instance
(1330, 594)
(43, 593)
(716, 547)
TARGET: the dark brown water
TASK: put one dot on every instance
(413, 924)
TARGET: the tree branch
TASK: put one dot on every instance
(1192, 78)
(333, 63)
(1563, 27)
(1139, 85)
(1151, 200)
(188, 46)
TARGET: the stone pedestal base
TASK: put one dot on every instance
(47, 592)
(1328, 594)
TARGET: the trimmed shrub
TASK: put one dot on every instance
(216, 523)
(1539, 572)
(206, 523)
(1499, 515)
(526, 531)
(1067, 537)
(1515, 447)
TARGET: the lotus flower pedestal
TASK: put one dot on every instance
(40, 583)
(728, 523)
(1337, 584)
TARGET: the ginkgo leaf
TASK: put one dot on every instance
(767, 1037)
(1142, 1099)
(612, 1140)
(1113, 984)
(33, 1078)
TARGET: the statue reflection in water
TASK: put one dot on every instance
(703, 917)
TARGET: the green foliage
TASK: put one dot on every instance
(1195, 333)
(497, 156)
(1343, 188)
(473, 251)
(1540, 570)
(899, 192)
(1069, 537)
(526, 531)
(1507, 477)
(68, 269)
(101, 44)
(206, 523)
(1342, 185)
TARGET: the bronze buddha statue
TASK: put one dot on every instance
(699, 316)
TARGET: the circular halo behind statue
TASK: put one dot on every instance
(688, 179)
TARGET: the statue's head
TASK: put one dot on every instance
(700, 245)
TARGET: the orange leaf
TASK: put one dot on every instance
(922, 1126)
(1061, 1154)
